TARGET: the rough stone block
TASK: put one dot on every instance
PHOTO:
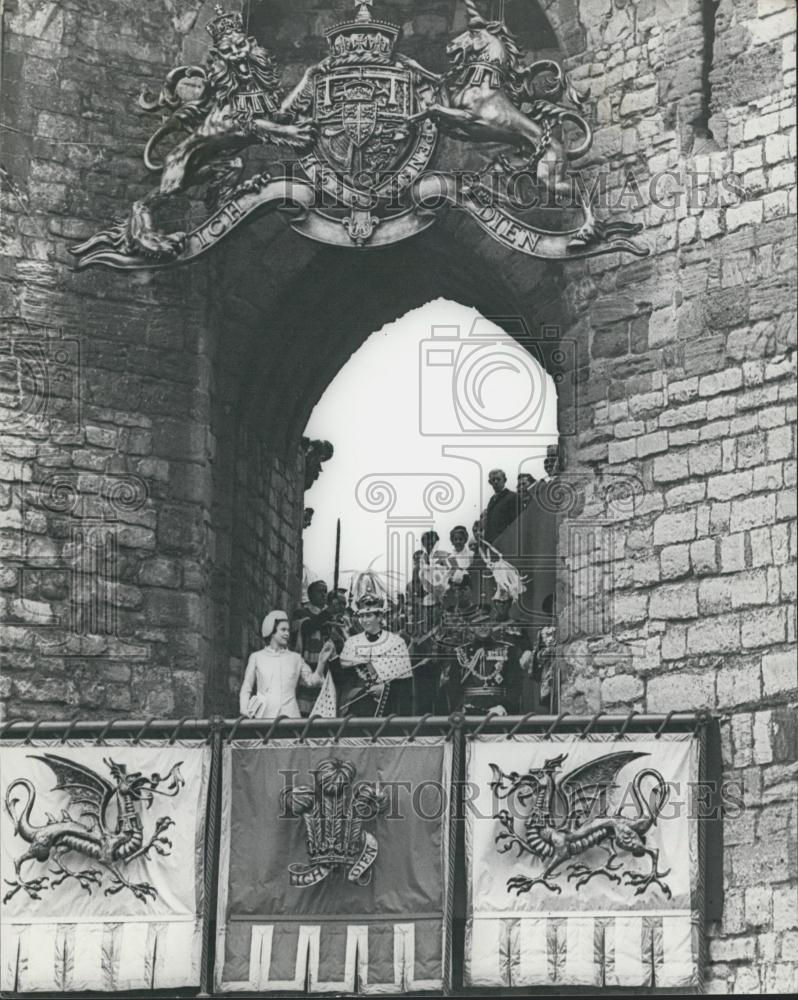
(765, 863)
(747, 158)
(705, 459)
(753, 512)
(682, 391)
(719, 516)
(715, 595)
(670, 468)
(747, 981)
(674, 642)
(779, 672)
(622, 451)
(635, 102)
(728, 485)
(629, 606)
(780, 542)
(780, 978)
(623, 688)
(704, 556)
(749, 213)
(780, 444)
(748, 589)
(650, 444)
(685, 689)
(727, 308)
(674, 562)
(645, 571)
(777, 148)
(721, 406)
(758, 900)
(160, 572)
(688, 414)
(714, 635)
(133, 537)
(675, 600)
(785, 907)
(768, 478)
(675, 527)
(629, 428)
(738, 684)
(763, 750)
(101, 437)
(743, 746)
(686, 494)
(763, 627)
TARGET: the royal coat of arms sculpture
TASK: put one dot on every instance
(364, 124)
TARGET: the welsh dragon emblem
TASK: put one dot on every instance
(569, 815)
(335, 813)
(104, 825)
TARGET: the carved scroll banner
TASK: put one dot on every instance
(335, 866)
(582, 862)
(101, 858)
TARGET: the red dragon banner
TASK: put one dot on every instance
(582, 862)
(102, 865)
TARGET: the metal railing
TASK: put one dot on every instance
(217, 731)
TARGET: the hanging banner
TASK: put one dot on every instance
(101, 859)
(335, 866)
(582, 862)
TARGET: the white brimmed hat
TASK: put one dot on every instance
(271, 621)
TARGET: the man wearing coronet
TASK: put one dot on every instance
(380, 662)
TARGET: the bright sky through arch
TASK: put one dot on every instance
(404, 397)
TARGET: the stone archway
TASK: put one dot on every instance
(289, 314)
(192, 383)
(281, 339)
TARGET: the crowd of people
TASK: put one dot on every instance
(456, 639)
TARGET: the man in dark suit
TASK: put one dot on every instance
(502, 507)
(524, 488)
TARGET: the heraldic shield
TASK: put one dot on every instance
(362, 116)
(372, 139)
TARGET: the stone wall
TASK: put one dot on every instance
(690, 377)
(122, 503)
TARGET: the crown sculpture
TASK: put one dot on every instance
(362, 126)
(224, 24)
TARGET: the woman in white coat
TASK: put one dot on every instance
(273, 673)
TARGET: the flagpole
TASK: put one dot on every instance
(337, 569)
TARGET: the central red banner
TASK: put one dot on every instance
(335, 862)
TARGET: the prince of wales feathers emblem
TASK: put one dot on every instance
(108, 828)
(335, 812)
(569, 815)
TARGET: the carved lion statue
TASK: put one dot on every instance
(232, 102)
